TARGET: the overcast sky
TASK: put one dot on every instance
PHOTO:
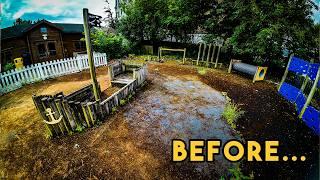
(64, 11)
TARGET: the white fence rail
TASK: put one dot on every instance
(15, 79)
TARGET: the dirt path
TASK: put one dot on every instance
(134, 143)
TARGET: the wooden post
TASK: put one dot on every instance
(199, 53)
(213, 53)
(110, 75)
(184, 55)
(90, 54)
(217, 59)
(230, 66)
(312, 91)
(208, 56)
(285, 72)
(204, 51)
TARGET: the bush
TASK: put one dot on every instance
(115, 46)
(9, 67)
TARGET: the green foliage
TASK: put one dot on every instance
(116, 46)
(237, 174)
(263, 30)
(123, 102)
(9, 66)
(258, 31)
(79, 128)
(130, 97)
(113, 110)
(231, 113)
(202, 70)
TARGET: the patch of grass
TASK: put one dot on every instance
(202, 70)
(231, 113)
(123, 102)
(236, 173)
(113, 110)
(79, 129)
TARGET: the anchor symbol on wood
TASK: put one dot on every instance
(50, 114)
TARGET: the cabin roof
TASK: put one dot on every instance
(20, 30)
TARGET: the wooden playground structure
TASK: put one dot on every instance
(207, 57)
(65, 114)
(173, 50)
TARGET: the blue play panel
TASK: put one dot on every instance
(311, 117)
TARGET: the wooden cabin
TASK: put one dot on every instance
(42, 41)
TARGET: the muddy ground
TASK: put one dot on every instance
(177, 102)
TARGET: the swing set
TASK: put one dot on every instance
(311, 73)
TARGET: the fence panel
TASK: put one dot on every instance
(15, 79)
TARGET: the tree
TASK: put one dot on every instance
(262, 30)
(114, 45)
(109, 19)
(20, 21)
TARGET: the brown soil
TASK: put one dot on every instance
(117, 149)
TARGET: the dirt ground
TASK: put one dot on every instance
(135, 142)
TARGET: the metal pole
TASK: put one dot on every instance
(285, 72)
(312, 91)
(90, 55)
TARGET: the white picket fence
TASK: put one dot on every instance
(15, 79)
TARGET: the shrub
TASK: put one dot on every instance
(116, 46)
(9, 66)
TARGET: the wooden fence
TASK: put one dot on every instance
(66, 114)
(15, 79)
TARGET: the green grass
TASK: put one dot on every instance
(123, 102)
(231, 113)
(236, 173)
(113, 110)
(202, 70)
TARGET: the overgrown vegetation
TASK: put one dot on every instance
(9, 67)
(231, 113)
(202, 70)
(237, 174)
(258, 31)
(115, 45)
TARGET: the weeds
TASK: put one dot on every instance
(231, 112)
(113, 110)
(236, 173)
(123, 102)
(202, 71)
(79, 129)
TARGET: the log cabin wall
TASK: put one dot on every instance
(45, 50)
(72, 44)
(13, 48)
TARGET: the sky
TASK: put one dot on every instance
(62, 11)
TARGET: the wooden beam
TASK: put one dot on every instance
(199, 53)
(90, 55)
(208, 56)
(217, 59)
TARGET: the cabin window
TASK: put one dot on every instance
(52, 49)
(79, 45)
(42, 50)
(43, 30)
(7, 57)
